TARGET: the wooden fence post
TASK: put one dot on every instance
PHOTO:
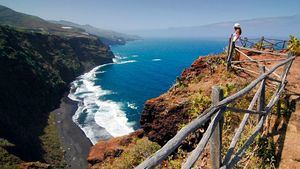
(230, 53)
(283, 45)
(261, 42)
(287, 67)
(229, 45)
(262, 97)
(215, 141)
(246, 39)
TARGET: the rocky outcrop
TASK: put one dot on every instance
(160, 119)
(35, 70)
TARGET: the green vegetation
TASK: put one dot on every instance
(263, 151)
(133, 156)
(35, 70)
(213, 63)
(228, 88)
(180, 82)
(8, 161)
(175, 161)
(32, 23)
(199, 102)
(294, 45)
(54, 153)
(259, 45)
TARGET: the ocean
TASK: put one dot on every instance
(111, 97)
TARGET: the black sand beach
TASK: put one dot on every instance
(74, 141)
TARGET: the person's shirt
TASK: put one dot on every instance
(236, 35)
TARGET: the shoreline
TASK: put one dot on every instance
(74, 141)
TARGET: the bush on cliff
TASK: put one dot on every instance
(294, 45)
(134, 155)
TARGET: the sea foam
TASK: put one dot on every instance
(99, 119)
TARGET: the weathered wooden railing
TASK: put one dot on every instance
(214, 114)
(234, 49)
(263, 43)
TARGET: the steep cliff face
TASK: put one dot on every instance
(35, 70)
(164, 116)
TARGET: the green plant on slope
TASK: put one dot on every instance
(228, 89)
(266, 150)
(260, 45)
(175, 161)
(134, 155)
(51, 144)
(294, 45)
(7, 160)
(199, 102)
(180, 82)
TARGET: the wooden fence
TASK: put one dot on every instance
(263, 43)
(214, 114)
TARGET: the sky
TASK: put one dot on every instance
(124, 15)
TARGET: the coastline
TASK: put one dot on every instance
(74, 142)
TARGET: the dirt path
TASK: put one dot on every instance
(290, 157)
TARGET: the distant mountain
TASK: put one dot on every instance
(107, 36)
(24, 21)
(269, 27)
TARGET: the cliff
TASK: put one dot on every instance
(164, 116)
(35, 70)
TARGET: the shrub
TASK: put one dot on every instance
(180, 82)
(199, 103)
(134, 155)
(294, 45)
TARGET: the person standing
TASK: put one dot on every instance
(233, 39)
(237, 32)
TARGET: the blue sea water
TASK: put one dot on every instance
(112, 96)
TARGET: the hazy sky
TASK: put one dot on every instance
(148, 14)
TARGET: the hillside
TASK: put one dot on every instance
(35, 69)
(62, 28)
(12, 18)
(107, 36)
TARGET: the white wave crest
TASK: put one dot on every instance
(156, 60)
(132, 105)
(126, 61)
(94, 114)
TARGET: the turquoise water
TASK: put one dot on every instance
(112, 96)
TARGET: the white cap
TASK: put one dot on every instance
(237, 25)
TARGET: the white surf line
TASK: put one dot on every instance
(92, 110)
